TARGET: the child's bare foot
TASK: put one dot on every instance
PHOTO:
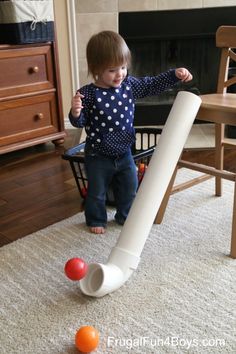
(97, 230)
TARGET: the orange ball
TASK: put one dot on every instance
(86, 339)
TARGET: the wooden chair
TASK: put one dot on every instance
(219, 108)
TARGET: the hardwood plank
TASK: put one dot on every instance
(2, 202)
(4, 240)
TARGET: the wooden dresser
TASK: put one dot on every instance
(30, 96)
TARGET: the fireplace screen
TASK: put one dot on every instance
(200, 56)
(160, 40)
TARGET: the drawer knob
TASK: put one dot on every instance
(39, 116)
(34, 69)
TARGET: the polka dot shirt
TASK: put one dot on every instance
(108, 114)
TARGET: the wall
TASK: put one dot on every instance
(60, 9)
(94, 16)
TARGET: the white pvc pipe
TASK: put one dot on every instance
(125, 256)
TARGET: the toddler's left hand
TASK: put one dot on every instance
(183, 74)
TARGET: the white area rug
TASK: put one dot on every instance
(180, 300)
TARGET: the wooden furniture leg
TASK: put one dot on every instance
(161, 211)
(219, 155)
(233, 236)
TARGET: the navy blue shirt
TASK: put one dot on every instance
(108, 113)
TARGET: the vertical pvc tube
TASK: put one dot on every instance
(125, 256)
(159, 173)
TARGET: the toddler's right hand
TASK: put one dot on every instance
(76, 104)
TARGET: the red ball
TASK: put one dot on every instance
(84, 192)
(76, 268)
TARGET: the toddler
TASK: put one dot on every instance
(106, 109)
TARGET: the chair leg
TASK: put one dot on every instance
(233, 236)
(162, 209)
(219, 155)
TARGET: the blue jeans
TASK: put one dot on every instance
(103, 172)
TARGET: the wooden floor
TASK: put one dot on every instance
(37, 187)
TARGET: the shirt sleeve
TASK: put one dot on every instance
(152, 85)
(80, 122)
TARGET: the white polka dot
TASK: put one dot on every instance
(120, 103)
(98, 140)
(114, 110)
(104, 93)
(96, 117)
(101, 112)
(107, 105)
(109, 117)
(112, 98)
(124, 95)
(126, 108)
(117, 123)
(117, 90)
(103, 124)
(97, 129)
(99, 99)
(110, 129)
(122, 115)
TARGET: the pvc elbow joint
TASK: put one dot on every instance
(102, 279)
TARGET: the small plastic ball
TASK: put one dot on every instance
(86, 339)
(75, 268)
(142, 167)
(84, 192)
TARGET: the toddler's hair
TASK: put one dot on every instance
(106, 49)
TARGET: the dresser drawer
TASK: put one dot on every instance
(28, 118)
(31, 111)
(25, 70)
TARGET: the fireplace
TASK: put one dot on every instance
(160, 40)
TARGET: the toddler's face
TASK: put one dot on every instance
(112, 76)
